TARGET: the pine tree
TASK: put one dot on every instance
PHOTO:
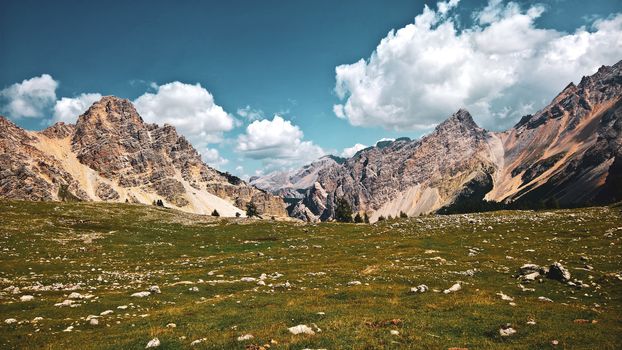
(366, 218)
(343, 210)
(215, 213)
(251, 210)
(358, 219)
(381, 218)
(403, 215)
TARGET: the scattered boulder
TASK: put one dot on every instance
(422, 288)
(558, 272)
(456, 287)
(354, 283)
(26, 298)
(245, 337)
(153, 343)
(93, 322)
(141, 294)
(10, 320)
(506, 330)
(155, 290)
(301, 329)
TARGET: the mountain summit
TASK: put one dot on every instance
(110, 154)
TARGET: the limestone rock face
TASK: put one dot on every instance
(569, 152)
(110, 154)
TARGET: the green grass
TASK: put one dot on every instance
(112, 251)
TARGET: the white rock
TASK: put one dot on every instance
(37, 319)
(26, 298)
(171, 325)
(153, 343)
(107, 312)
(93, 322)
(301, 329)
(245, 337)
(10, 320)
(354, 283)
(506, 332)
(248, 279)
(456, 287)
(505, 297)
(394, 332)
(122, 307)
(65, 303)
(198, 341)
(155, 289)
(68, 329)
(422, 288)
(193, 289)
(75, 295)
(545, 299)
(141, 294)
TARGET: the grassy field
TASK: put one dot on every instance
(210, 271)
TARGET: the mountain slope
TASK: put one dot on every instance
(568, 153)
(110, 154)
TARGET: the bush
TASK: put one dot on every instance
(215, 213)
(403, 215)
(343, 210)
(365, 218)
(237, 215)
(381, 218)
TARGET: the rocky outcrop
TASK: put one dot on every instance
(568, 153)
(110, 154)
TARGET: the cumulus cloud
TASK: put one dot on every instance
(250, 113)
(350, 151)
(29, 99)
(277, 142)
(501, 68)
(67, 109)
(192, 111)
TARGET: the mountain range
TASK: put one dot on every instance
(567, 154)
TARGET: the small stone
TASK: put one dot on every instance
(68, 329)
(456, 287)
(155, 290)
(93, 322)
(10, 320)
(153, 343)
(394, 332)
(171, 325)
(107, 312)
(26, 298)
(507, 330)
(354, 283)
(422, 288)
(301, 329)
(558, 272)
(141, 294)
(245, 337)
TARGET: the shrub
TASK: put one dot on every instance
(251, 210)
(215, 213)
(358, 219)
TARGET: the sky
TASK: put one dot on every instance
(259, 86)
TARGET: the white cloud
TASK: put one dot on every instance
(192, 111)
(29, 99)
(351, 151)
(212, 157)
(68, 109)
(250, 113)
(277, 142)
(501, 68)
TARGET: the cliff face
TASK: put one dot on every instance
(569, 152)
(112, 155)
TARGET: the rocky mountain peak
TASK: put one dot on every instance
(459, 123)
(110, 112)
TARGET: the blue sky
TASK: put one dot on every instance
(280, 57)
